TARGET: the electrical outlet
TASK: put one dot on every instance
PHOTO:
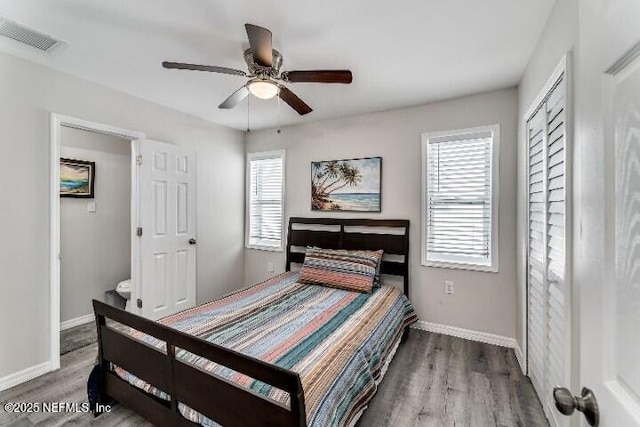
(448, 287)
(270, 267)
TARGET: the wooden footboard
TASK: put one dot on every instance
(212, 396)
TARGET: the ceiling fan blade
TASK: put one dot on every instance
(260, 41)
(318, 76)
(211, 68)
(294, 102)
(235, 98)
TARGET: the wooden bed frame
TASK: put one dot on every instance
(212, 396)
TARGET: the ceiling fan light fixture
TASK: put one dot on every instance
(263, 89)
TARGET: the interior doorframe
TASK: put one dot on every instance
(572, 343)
(57, 122)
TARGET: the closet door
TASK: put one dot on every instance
(558, 339)
(548, 331)
(537, 253)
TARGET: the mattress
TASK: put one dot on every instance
(338, 341)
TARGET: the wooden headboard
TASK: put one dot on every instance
(353, 233)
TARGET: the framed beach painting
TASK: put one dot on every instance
(347, 185)
(77, 178)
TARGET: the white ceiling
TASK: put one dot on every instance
(402, 53)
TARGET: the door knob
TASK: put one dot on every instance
(192, 241)
(586, 403)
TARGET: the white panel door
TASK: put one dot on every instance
(608, 256)
(167, 217)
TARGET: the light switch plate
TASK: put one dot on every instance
(91, 207)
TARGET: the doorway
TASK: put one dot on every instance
(72, 138)
(95, 229)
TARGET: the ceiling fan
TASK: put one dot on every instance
(266, 80)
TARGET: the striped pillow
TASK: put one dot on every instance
(342, 269)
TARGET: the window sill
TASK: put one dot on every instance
(265, 248)
(461, 266)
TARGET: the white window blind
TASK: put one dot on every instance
(459, 217)
(265, 200)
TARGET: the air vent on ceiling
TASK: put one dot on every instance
(26, 35)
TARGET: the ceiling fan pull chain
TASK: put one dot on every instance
(248, 113)
(279, 111)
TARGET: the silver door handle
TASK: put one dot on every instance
(586, 403)
(192, 241)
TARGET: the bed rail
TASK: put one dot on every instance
(214, 397)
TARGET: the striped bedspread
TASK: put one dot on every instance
(336, 340)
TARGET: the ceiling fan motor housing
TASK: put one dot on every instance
(259, 70)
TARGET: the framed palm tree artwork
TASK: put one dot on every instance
(352, 185)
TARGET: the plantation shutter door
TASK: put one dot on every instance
(266, 201)
(558, 340)
(548, 337)
(459, 199)
(537, 253)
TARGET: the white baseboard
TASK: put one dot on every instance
(24, 375)
(68, 324)
(520, 358)
(467, 334)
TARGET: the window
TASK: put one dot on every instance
(460, 199)
(265, 200)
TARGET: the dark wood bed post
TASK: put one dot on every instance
(298, 405)
(288, 262)
(100, 322)
(406, 261)
(405, 334)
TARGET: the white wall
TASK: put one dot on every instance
(95, 248)
(29, 93)
(483, 301)
(560, 36)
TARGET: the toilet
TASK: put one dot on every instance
(124, 290)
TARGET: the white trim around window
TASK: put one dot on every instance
(430, 256)
(258, 239)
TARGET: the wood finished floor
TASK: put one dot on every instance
(434, 380)
(78, 337)
(437, 380)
